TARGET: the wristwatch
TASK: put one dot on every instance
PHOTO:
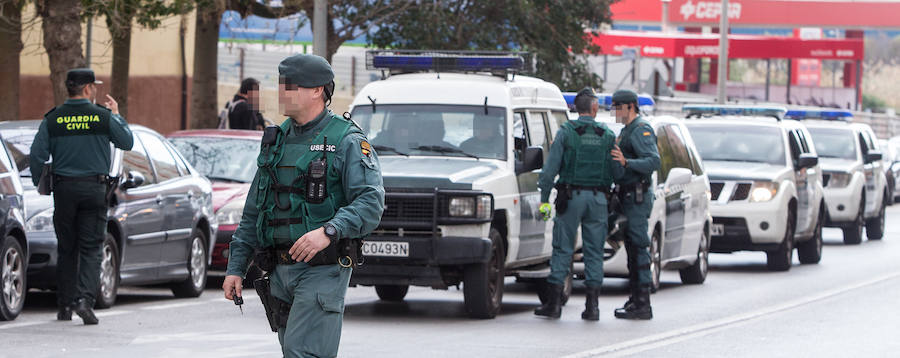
(331, 232)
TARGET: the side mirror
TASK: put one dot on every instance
(531, 160)
(807, 160)
(679, 176)
(134, 180)
(873, 156)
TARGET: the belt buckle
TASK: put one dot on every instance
(348, 260)
(285, 258)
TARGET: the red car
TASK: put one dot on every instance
(228, 159)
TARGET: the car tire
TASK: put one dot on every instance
(13, 275)
(696, 273)
(810, 251)
(853, 232)
(655, 260)
(109, 273)
(781, 259)
(391, 293)
(875, 226)
(196, 265)
(483, 283)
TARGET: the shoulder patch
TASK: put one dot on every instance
(646, 134)
(365, 148)
(48, 112)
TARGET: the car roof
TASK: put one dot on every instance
(218, 133)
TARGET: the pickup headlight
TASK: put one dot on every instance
(231, 213)
(763, 191)
(477, 207)
(839, 180)
(40, 222)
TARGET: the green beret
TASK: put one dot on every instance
(307, 71)
(624, 96)
(587, 91)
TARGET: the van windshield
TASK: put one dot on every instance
(834, 143)
(427, 129)
(737, 143)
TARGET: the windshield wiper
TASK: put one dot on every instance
(443, 149)
(384, 148)
(232, 180)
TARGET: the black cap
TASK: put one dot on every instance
(81, 76)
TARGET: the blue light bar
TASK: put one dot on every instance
(605, 100)
(733, 110)
(446, 61)
(832, 114)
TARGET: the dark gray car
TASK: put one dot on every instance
(160, 227)
(13, 245)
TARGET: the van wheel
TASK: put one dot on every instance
(781, 258)
(12, 279)
(109, 274)
(196, 281)
(696, 273)
(810, 251)
(483, 283)
(875, 226)
(853, 231)
(391, 293)
(655, 260)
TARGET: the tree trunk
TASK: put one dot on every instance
(204, 94)
(10, 48)
(121, 42)
(62, 40)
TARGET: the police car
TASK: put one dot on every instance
(855, 185)
(765, 181)
(461, 139)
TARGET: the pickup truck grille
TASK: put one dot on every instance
(408, 209)
(716, 189)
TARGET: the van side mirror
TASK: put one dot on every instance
(807, 160)
(134, 180)
(873, 156)
(532, 159)
(679, 176)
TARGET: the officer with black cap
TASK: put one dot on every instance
(635, 151)
(580, 155)
(317, 190)
(76, 135)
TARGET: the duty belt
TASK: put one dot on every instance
(595, 189)
(99, 178)
(625, 188)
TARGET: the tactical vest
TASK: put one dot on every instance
(586, 161)
(626, 145)
(78, 119)
(284, 212)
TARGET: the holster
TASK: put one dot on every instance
(45, 182)
(563, 194)
(111, 184)
(277, 311)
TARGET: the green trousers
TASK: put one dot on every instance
(588, 210)
(316, 294)
(79, 218)
(637, 241)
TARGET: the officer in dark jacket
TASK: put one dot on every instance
(317, 189)
(76, 135)
(637, 153)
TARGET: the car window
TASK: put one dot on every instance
(519, 134)
(537, 131)
(794, 144)
(136, 160)
(163, 161)
(682, 159)
(834, 143)
(863, 145)
(804, 141)
(220, 159)
(179, 161)
(560, 118)
(739, 143)
(6, 164)
(666, 155)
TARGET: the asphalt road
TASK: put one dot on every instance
(846, 305)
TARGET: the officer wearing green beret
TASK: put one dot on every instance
(635, 151)
(76, 135)
(580, 156)
(317, 190)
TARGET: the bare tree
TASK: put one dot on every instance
(62, 39)
(10, 49)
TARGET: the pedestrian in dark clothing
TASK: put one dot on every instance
(244, 112)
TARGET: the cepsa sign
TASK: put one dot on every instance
(708, 10)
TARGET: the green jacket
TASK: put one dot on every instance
(362, 185)
(555, 163)
(638, 143)
(77, 135)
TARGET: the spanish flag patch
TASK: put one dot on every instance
(365, 148)
(646, 134)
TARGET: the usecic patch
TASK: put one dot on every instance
(365, 148)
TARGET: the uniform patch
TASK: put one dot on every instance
(646, 134)
(365, 148)
(323, 148)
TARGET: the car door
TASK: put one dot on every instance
(697, 205)
(669, 141)
(870, 170)
(10, 185)
(805, 186)
(173, 192)
(532, 227)
(143, 218)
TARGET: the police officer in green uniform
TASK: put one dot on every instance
(317, 190)
(580, 155)
(76, 135)
(635, 151)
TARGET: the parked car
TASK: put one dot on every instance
(889, 157)
(160, 226)
(228, 159)
(894, 147)
(765, 182)
(13, 244)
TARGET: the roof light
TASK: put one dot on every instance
(605, 100)
(831, 114)
(733, 110)
(446, 61)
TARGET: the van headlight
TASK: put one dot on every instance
(40, 222)
(231, 213)
(839, 179)
(478, 207)
(763, 191)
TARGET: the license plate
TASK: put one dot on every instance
(385, 248)
(717, 230)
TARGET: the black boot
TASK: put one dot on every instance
(551, 308)
(591, 312)
(640, 309)
(85, 310)
(64, 313)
